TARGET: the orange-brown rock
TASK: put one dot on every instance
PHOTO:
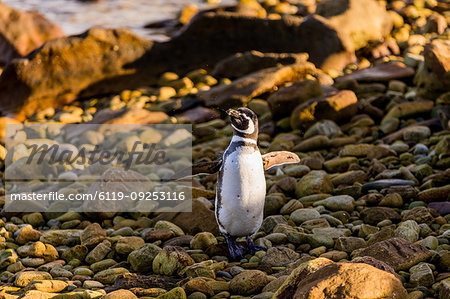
(326, 279)
(96, 62)
(334, 106)
(21, 32)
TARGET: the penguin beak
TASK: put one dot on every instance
(233, 113)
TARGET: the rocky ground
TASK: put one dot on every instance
(366, 214)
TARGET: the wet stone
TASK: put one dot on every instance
(421, 275)
(301, 215)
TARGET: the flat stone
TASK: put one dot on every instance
(337, 203)
(397, 253)
(99, 252)
(380, 73)
(442, 208)
(49, 286)
(374, 215)
(279, 256)
(301, 215)
(434, 194)
(335, 106)
(245, 88)
(407, 109)
(382, 184)
(312, 143)
(421, 275)
(349, 244)
(339, 164)
(23, 278)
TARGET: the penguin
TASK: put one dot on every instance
(241, 183)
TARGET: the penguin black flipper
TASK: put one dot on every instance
(199, 168)
(279, 158)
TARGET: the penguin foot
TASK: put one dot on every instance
(252, 248)
(235, 250)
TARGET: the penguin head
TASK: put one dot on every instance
(244, 122)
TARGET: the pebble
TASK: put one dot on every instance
(301, 215)
(337, 203)
(248, 282)
(416, 133)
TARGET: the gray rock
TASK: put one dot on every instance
(324, 127)
(421, 275)
(301, 215)
(416, 133)
(141, 260)
(279, 256)
(349, 244)
(337, 203)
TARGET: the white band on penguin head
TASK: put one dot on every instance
(249, 130)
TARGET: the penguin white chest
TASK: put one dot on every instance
(241, 192)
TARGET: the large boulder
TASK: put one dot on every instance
(330, 39)
(61, 71)
(21, 32)
(213, 36)
(96, 62)
(321, 278)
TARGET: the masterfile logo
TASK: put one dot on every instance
(97, 168)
